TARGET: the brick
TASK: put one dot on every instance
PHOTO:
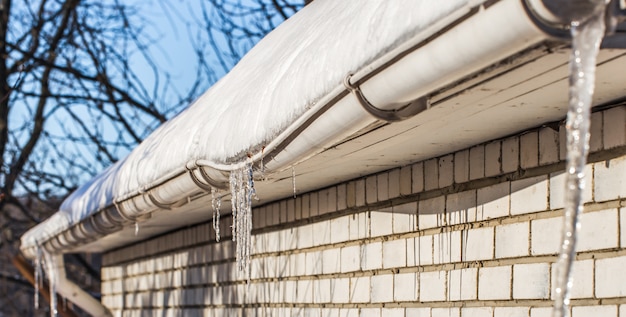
(283, 211)
(529, 195)
(595, 130)
(461, 207)
(305, 291)
(360, 289)
(494, 283)
(558, 190)
(548, 146)
(371, 189)
(418, 312)
(392, 312)
(306, 206)
(431, 174)
(327, 200)
(511, 312)
(359, 226)
(291, 210)
(477, 311)
(430, 212)
(372, 256)
(360, 192)
(512, 240)
(298, 211)
(493, 201)
(461, 166)
(446, 312)
(609, 179)
(546, 235)
(462, 284)
(432, 286)
(423, 251)
(477, 162)
(370, 312)
(406, 185)
(351, 193)
(417, 176)
(562, 142)
(405, 218)
(313, 263)
(529, 150)
(510, 154)
(314, 202)
(298, 264)
(381, 222)
(382, 288)
(614, 127)
(394, 253)
(382, 180)
(530, 281)
(622, 310)
(447, 247)
(582, 277)
(608, 282)
(342, 197)
(622, 226)
(350, 258)
(331, 261)
(340, 229)
(349, 312)
(493, 159)
(446, 170)
(321, 233)
(321, 291)
(541, 312)
(598, 230)
(405, 287)
(592, 311)
(478, 244)
(394, 183)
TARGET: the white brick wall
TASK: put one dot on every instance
(470, 233)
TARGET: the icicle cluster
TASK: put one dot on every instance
(586, 36)
(216, 203)
(242, 192)
(38, 275)
(51, 272)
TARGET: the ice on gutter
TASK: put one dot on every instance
(287, 73)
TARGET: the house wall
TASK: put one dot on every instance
(470, 233)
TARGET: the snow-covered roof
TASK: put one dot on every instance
(286, 101)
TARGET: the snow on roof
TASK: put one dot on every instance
(294, 66)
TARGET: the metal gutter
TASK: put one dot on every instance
(405, 76)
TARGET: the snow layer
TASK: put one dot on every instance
(294, 66)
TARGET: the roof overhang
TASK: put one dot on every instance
(479, 70)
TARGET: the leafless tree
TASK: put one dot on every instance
(80, 86)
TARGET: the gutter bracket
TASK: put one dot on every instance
(395, 115)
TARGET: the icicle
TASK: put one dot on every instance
(216, 203)
(587, 36)
(38, 276)
(51, 272)
(242, 192)
(136, 228)
(293, 180)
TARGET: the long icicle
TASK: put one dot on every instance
(242, 192)
(38, 276)
(216, 203)
(51, 272)
(587, 36)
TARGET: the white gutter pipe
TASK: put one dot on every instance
(55, 268)
(407, 75)
(411, 72)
